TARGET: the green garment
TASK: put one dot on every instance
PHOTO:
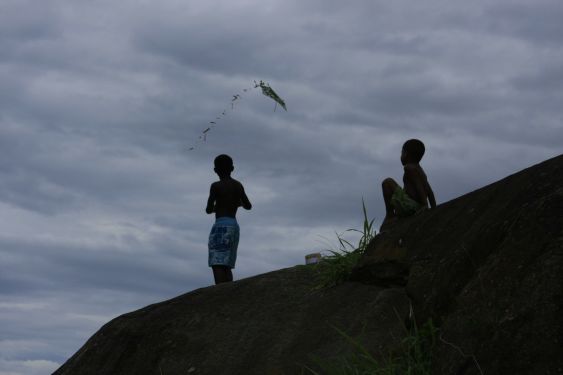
(403, 204)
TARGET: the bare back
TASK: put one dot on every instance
(225, 197)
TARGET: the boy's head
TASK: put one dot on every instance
(412, 152)
(223, 165)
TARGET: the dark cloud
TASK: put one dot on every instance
(537, 22)
(25, 21)
(541, 79)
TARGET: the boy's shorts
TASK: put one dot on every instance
(223, 242)
(403, 204)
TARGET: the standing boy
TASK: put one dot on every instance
(225, 197)
(417, 192)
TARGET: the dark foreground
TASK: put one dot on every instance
(486, 267)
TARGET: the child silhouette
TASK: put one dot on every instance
(402, 202)
(225, 197)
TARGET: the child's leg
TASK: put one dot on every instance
(216, 274)
(229, 273)
(388, 187)
(220, 274)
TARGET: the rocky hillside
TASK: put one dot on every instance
(487, 268)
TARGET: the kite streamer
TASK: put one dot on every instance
(266, 90)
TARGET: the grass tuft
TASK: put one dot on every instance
(336, 267)
(413, 358)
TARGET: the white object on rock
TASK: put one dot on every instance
(312, 258)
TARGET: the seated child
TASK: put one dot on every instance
(401, 202)
(225, 197)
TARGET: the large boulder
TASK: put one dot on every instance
(268, 324)
(487, 268)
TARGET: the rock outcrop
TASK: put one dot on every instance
(486, 267)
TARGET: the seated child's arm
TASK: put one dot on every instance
(211, 200)
(415, 185)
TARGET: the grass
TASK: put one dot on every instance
(336, 267)
(414, 356)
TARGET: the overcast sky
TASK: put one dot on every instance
(102, 203)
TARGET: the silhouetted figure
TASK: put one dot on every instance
(417, 192)
(225, 197)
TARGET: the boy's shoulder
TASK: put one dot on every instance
(415, 168)
(237, 183)
(226, 182)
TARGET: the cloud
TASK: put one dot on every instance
(30, 367)
(537, 23)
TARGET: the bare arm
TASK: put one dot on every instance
(211, 201)
(416, 185)
(244, 200)
(430, 194)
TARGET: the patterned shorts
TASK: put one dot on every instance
(223, 242)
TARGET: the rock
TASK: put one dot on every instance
(267, 324)
(486, 267)
(385, 262)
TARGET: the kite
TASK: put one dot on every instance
(269, 92)
(266, 90)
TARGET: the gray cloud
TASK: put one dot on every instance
(538, 22)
